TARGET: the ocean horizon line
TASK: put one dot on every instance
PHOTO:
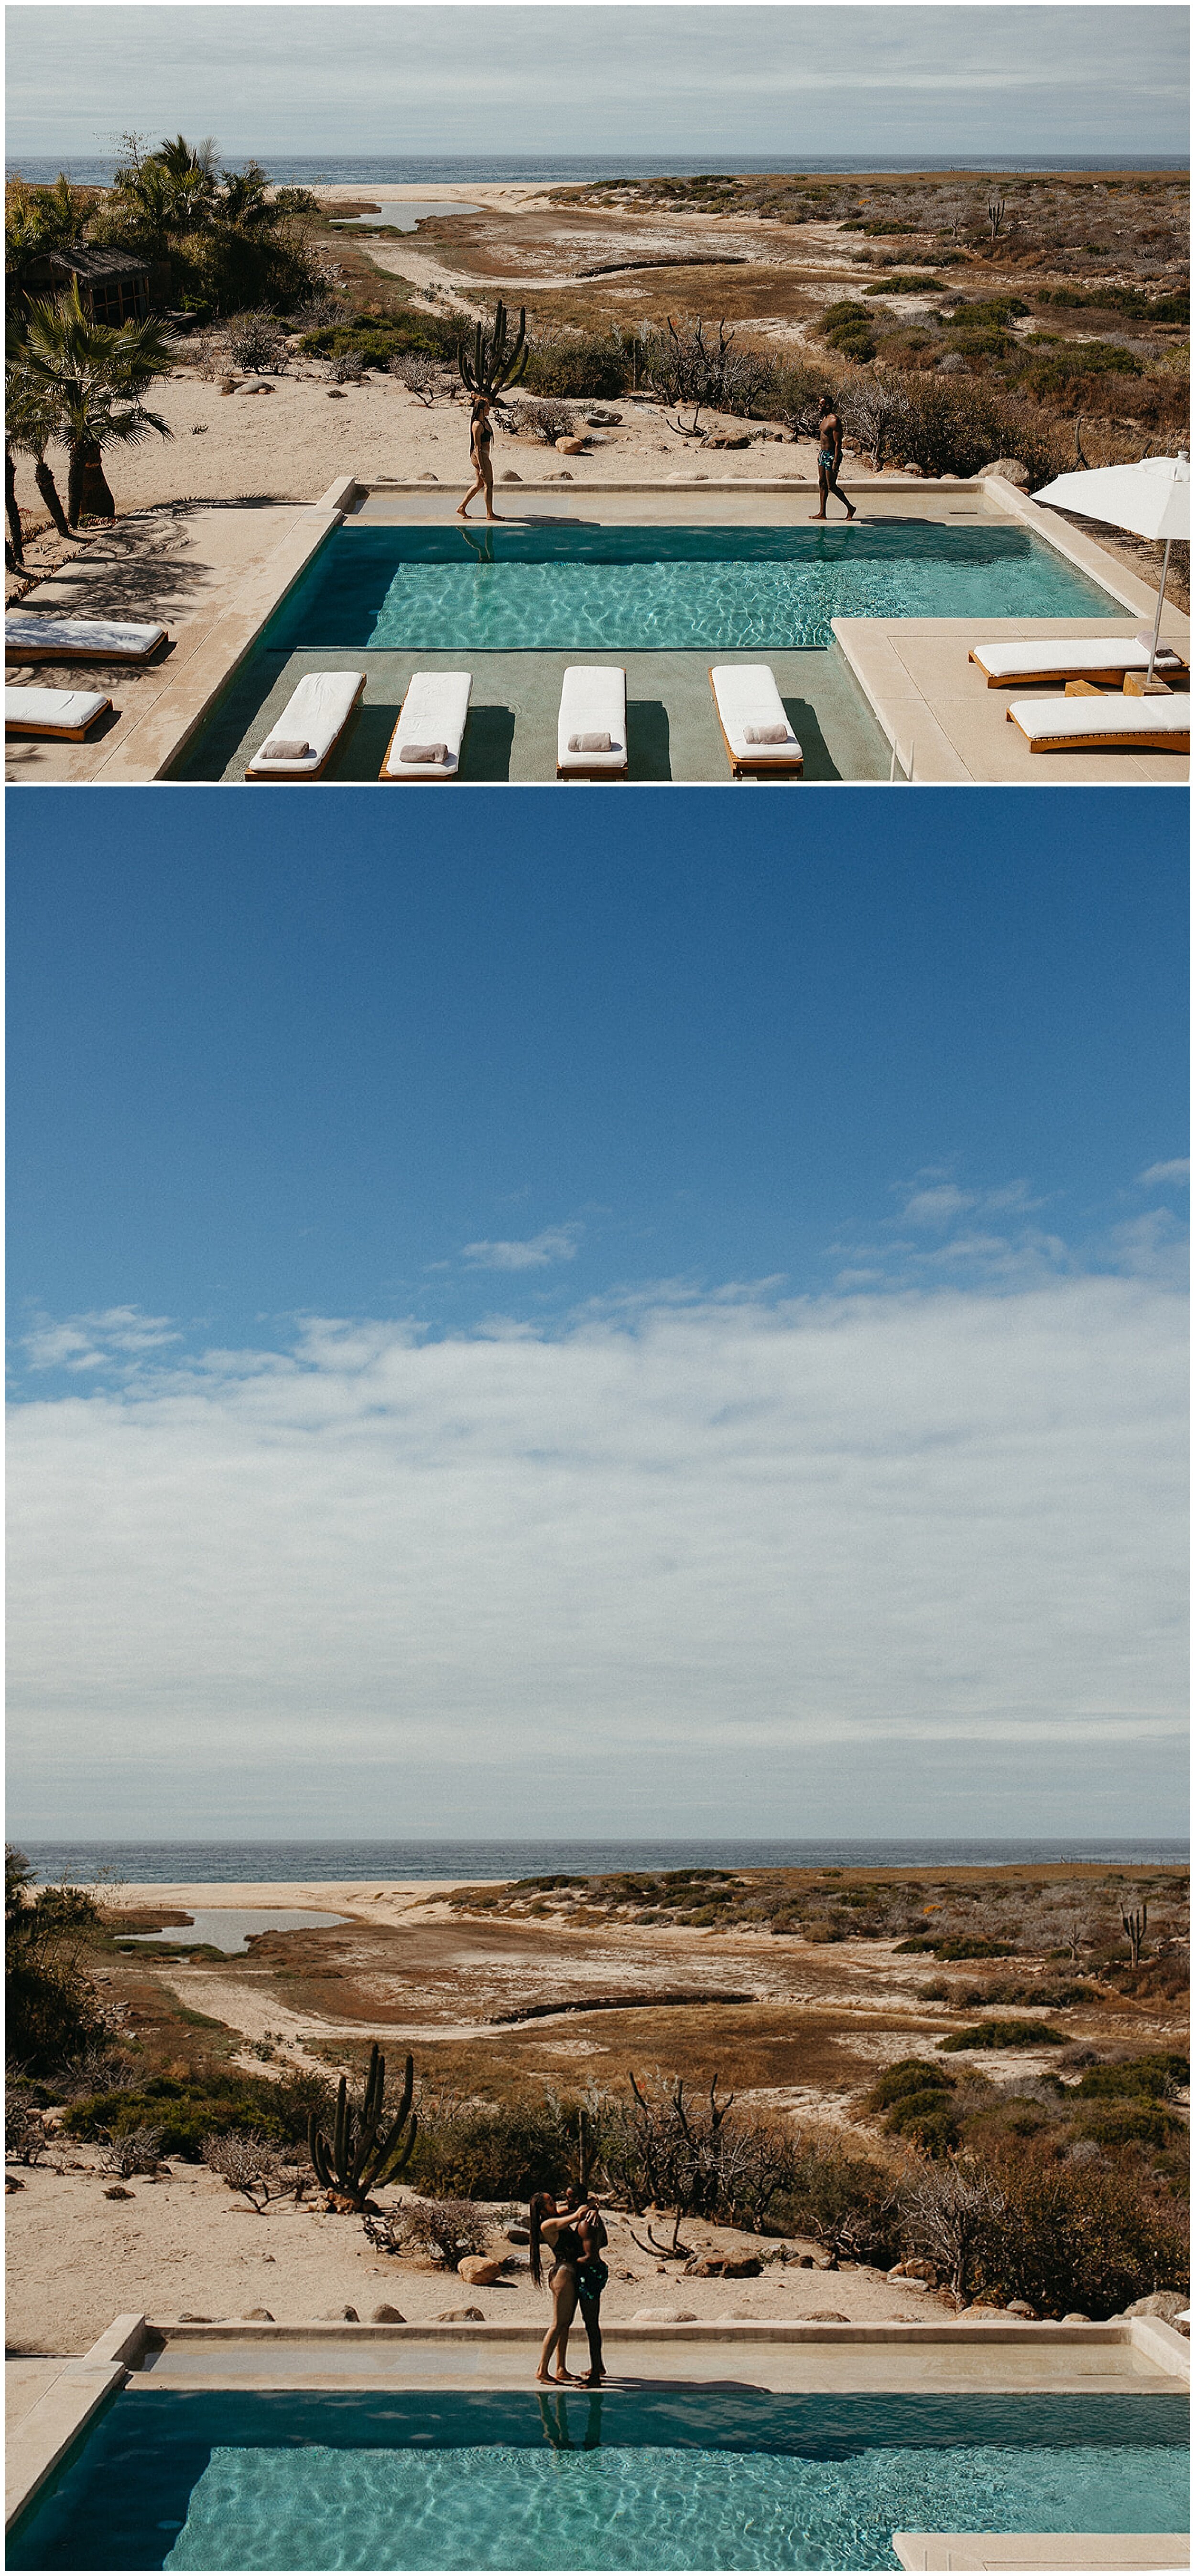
(331, 169)
(212, 1861)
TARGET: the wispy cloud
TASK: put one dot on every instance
(89, 1341)
(1161, 1173)
(536, 1252)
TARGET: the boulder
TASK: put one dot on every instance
(387, 2316)
(1020, 2308)
(187, 2317)
(826, 2317)
(510, 476)
(258, 2316)
(517, 2235)
(479, 2271)
(558, 478)
(1076, 2317)
(1011, 469)
(116, 2191)
(664, 2317)
(461, 2317)
(729, 438)
(334, 393)
(1166, 2304)
(741, 2267)
(604, 419)
(255, 385)
(338, 2316)
(11, 2184)
(570, 446)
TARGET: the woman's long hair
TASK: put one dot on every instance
(542, 2206)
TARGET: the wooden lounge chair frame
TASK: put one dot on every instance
(745, 767)
(305, 777)
(59, 732)
(17, 652)
(420, 773)
(1115, 739)
(1110, 677)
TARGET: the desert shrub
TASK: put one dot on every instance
(849, 330)
(958, 428)
(95, 2070)
(1134, 2123)
(981, 344)
(52, 2009)
(988, 312)
(1065, 371)
(135, 2150)
(1004, 2034)
(960, 1948)
(1160, 2073)
(420, 374)
(250, 2165)
(1083, 2236)
(184, 2117)
(26, 2138)
(1129, 300)
(347, 367)
(909, 2075)
(492, 2151)
(846, 2203)
(256, 341)
(443, 2229)
(548, 421)
(948, 2212)
(589, 367)
(928, 2120)
(900, 285)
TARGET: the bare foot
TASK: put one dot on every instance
(568, 2379)
(817, 514)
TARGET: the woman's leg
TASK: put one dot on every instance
(486, 470)
(591, 2319)
(563, 2286)
(475, 487)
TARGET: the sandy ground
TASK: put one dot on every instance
(188, 2243)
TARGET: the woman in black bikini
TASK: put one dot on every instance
(552, 2228)
(480, 435)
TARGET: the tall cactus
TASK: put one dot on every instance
(1135, 1922)
(355, 2160)
(493, 367)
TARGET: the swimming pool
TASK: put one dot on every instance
(657, 2479)
(543, 586)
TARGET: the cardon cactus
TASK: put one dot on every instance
(493, 367)
(356, 2159)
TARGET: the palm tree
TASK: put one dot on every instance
(30, 422)
(92, 378)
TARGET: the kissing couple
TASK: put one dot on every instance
(572, 2231)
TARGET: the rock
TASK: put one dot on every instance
(228, 384)
(664, 2317)
(116, 2191)
(511, 477)
(187, 2318)
(1011, 469)
(604, 419)
(570, 446)
(258, 2316)
(1166, 2304)
(334, 393)
(11, 2184)
(710, 2268)
(255, 385)
(730, 438)
(909, 2283)
(1020, 2308)
(826, 2317)
(1076, 2317)
(461, 2317)
(741, 2267)
(518, 2235)
(981, 2315)
(338, 2316)
(427, 476)
(897, 2273)
(917, 2269)
(479, 2271)
(387, 2316)
(558, 478)
(804, 2262)
(199, 429)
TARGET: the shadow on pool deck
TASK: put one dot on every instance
(672, 729)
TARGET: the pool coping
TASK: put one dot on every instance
(155, 742)
(1116, 2551)
(42, 2439)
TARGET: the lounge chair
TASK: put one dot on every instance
(30, 636)
(431, 722)
(1094, 723)
(591, 732)
(1071, 657)
(749, 704)
(62, 715)
(309, 728)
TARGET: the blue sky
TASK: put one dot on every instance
(719, 1291)
(445, 80)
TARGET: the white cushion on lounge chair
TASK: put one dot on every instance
(316, 714)
(1070, 657)
(593, 699)
(64, 711)
(434, 710)
(745, 693)
(1053, 722)
(59, 639)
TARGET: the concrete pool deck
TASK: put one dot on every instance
(885, 685)
(51, 2402)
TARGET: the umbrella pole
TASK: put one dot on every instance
(1158, 618)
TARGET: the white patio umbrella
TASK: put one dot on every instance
(1152, 499)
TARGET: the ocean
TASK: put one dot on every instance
(378, 170)
(223, 1863)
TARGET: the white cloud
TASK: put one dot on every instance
(717, 1533)
(89, 1341)
(1178, 1170)
(538, 1252)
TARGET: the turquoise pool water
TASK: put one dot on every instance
(709, 2479)
(546, 587)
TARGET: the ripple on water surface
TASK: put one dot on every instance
(494, 2507)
